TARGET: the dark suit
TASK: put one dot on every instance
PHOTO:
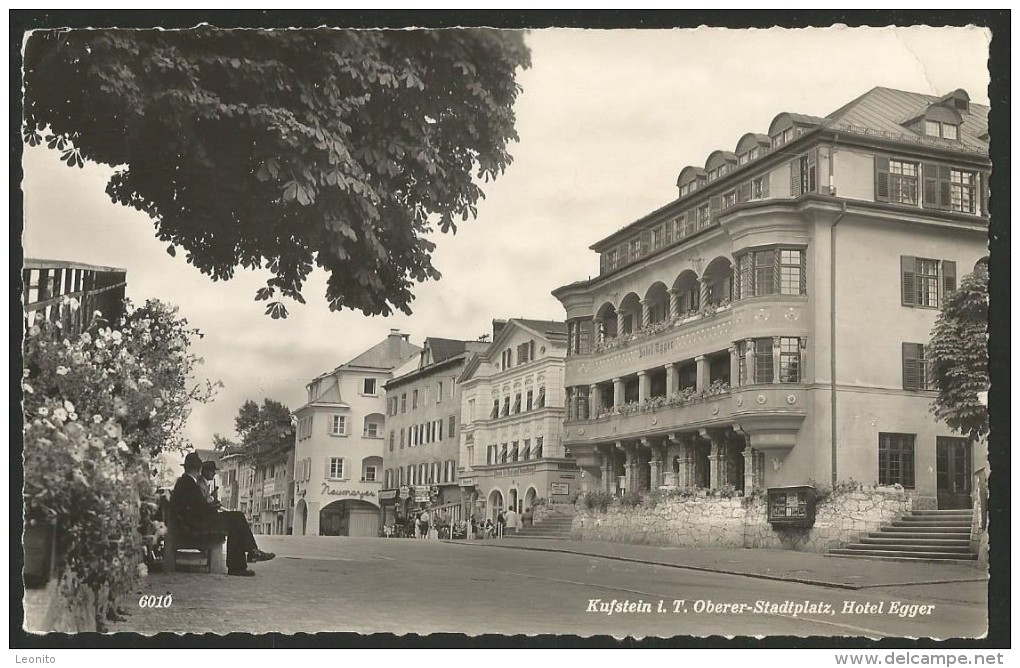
(195, 516)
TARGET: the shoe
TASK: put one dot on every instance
(245, 573)
(259, 555)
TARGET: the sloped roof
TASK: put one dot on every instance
(547, 327)
(444, 349)
(885, 109)
(385, 355)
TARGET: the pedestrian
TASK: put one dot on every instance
(500, 524)
(426, 522)
(417, 526)
(512, 519)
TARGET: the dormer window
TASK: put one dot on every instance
(941, 129)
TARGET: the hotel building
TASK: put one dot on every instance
(768, 326)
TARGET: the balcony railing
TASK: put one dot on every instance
(70, 293)
(664, 415)
(648, 331)
(684, 397)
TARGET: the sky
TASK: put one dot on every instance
(607, 119)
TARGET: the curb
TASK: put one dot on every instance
(706, 569)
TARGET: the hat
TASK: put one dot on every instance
(192, 461)
(211, 464)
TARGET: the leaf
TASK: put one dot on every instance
(171, 250)
(264, 294)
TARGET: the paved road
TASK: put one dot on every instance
(406, 586)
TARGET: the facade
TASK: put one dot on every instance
(768, 326)
(512, 411)
(71, 292)
(338, 454)
(272, 507)
(232, 469)
(422, 425)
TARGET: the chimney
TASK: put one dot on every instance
(394, 341)
(497, 327)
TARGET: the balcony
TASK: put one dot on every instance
(769, 414)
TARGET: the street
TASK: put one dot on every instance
(401, 586)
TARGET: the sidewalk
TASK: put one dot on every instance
(787, 565)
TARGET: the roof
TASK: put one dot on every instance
(443, 349)
(885, 109)
(880, 112)
(546, 327)
(386, 354)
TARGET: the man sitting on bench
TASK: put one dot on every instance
(197, 516)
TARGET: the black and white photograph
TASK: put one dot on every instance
(630, 333)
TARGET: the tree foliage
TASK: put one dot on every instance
(958, 351)
(254, 423)
(286, 149)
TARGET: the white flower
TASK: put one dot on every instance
(97, 418)
(34, 330)
(68, 406)
(77, 357)
(59, 414)
(74, 302)
(44, 411)
(28, 388)
(72, 416)
(122, 446)
(116, 335)
(100, 344)
(112, 429)
(141, 570)
(24, 373)
(97, 313)
(62, 370)
(158, 403)
(152, 413)
(86, 338)
(144, 382)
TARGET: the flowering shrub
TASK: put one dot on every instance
(97, 409)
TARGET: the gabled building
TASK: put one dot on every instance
(422, 421)
(512, 410)
(272, 460)
(768, 326)
(338, 454)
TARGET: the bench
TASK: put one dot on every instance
(209, 544)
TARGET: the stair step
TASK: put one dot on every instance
(912, 539)
(964, 512)
(946, 556)
(895, 558)
(941, 523)
(909, 547)
(920, 528)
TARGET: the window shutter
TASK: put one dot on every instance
(744, 192)
(795, 177)
(585, 325)
(803, 272)
(930, 194)
(881, 178)
(948, 277)
(812, 167)
(983, 179)
(908, 269)
(910, 366)
(714, 205)
(326, 473)
(777, 271)
(624, 255)
(646, 242)
(945, 197)
(765, 180)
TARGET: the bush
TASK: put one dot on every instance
(97, 409)
(599, 501)
(630, 500)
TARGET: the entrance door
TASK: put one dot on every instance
(953, 472)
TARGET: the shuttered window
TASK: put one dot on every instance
(769, 272)
(917, 369)
(335, 468)
(763, 365)
(919, 280)
(962, 191)
(804, 174)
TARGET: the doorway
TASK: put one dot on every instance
(953, 458)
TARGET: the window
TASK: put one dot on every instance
(729, 199)
(526, 453)
(369, 474)
(336, 468)
(805, 177)
(452, 426)
(401, 438)
(371, 429)
(764, 272)
(759, 188)
(917, 369)
(896, 459)
(940, 129)
(403, 403)
(540, 403)
(529, 399)
(791, 272)
(763, 360)
(611, 259)
(369, 387)
(538, 448)
(503, 454)
(393, 439)
(495, 409)
(470, 455)
(962, 186)
(338, 425)
(517, 404)
(658, 237)
(439, 392)
(703, 215)
(634, 249)
(523, 353)
(903, 182)
(789, 360)
(425, 396)
(506, 406)
(927, 278)
(414, 399)
(919, 280)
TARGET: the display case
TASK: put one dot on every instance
(791, 506)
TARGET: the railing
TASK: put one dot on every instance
(624, 340)
(70, 293)
(684, 397)
(904, 137)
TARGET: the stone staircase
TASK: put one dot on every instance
(926, 535)
(556, 526)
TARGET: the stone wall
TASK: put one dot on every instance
(707, 521)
